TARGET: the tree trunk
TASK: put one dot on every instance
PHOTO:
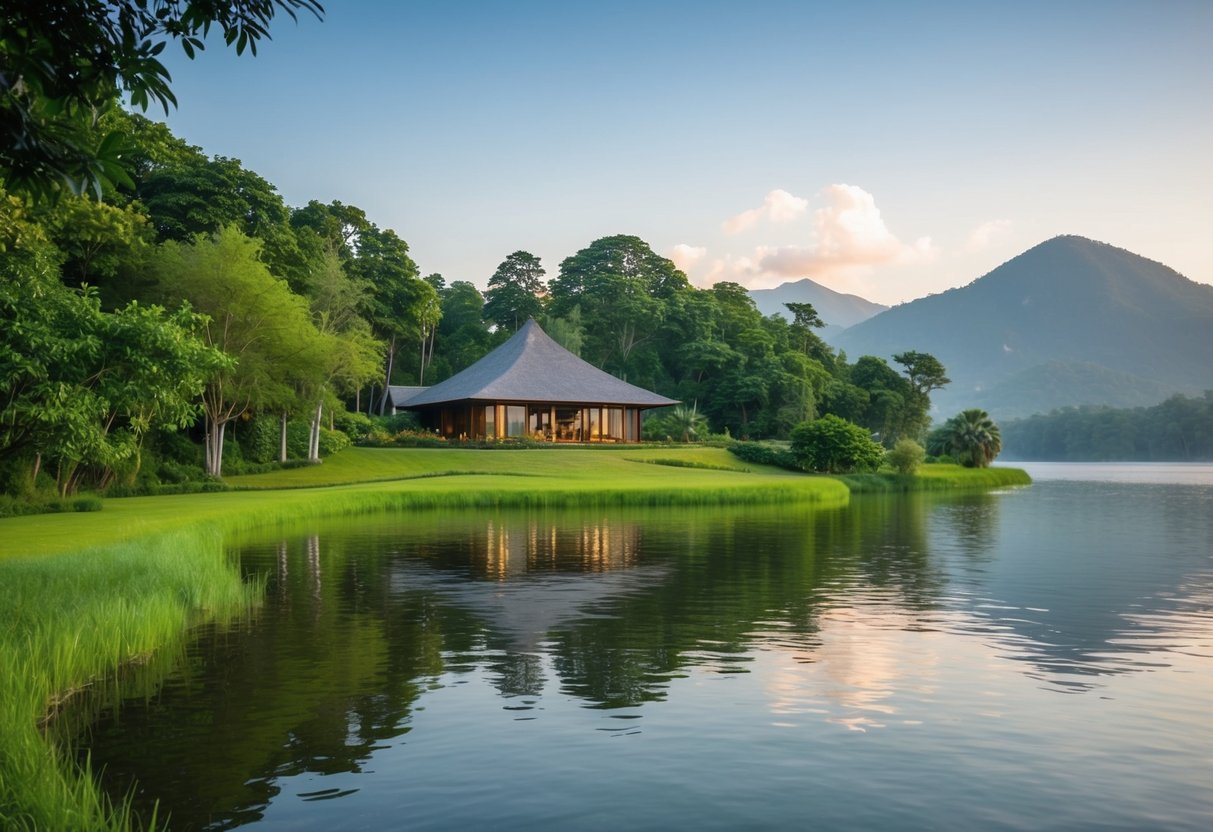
(37, 466)
(387, 377)
(214, 447)
(358, 399)
(313, 445)
(282, 439)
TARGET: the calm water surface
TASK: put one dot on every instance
(1040, 658)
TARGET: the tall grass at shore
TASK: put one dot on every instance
(936, 478)
(69, 621)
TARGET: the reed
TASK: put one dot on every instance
(68, 622)
(936, 478)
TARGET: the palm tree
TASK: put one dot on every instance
(688, 421)
(973, 437)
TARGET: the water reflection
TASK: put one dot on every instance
(891, 613)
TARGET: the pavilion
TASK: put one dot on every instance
(530, 386)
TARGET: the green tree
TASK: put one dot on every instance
(66, 61)
(835, 446)
(253, 317)
(99, 241)
(201, 196)
(687, 422)
(622, 287)
(973, 438)
(79, 387)
(515, 291)
(401, 305)
(462, 336)
(906, 456)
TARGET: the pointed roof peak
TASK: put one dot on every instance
(531, 367)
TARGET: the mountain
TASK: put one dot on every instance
(839, 311)
(1071, 321)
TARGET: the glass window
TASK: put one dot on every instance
(515, 419)
(614, 426)
(568, 424)
(539, 422)
(490, 421)
(595, 424)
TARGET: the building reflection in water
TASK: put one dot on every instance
(506, 550)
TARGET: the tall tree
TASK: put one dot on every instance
(622, 286)
(66, 61)
(515, 292)
(401, 303)
(254, 318)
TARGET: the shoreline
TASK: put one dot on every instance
(86, 594)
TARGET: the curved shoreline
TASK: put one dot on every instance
(154, 567)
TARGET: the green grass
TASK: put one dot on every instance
(426, 478)
(69, 621)
(130, 581)
(936, 478)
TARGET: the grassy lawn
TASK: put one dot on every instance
(360, 480)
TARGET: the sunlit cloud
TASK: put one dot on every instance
(778, 207)
(850, 235)
(987, 234)
(685, 256)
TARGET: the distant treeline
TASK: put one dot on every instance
(1178, 430)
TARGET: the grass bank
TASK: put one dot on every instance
(936, 478)
(66, 622)
(132, 579)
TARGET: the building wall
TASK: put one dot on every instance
(538, 421)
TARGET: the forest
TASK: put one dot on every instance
(1179, 429)
(190, 322)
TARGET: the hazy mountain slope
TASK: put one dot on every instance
(1068, 301)
(839, 311)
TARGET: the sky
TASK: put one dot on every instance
(891, 150)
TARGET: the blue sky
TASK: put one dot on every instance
(887, 149)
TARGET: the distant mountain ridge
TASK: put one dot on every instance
(839, 311)
(1071, 321)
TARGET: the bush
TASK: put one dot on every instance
(357, 426)
(761, 454)
(397, 422)
(906, 456)
(259, 438)
(835, 446)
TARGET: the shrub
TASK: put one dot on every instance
(835, 446)
(762, 454)
(357, 426)
(259, 438)
(397, 422)
(906, 456)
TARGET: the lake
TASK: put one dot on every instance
(1039, 658)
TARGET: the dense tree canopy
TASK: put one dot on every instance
(66, 61)
(515, 291)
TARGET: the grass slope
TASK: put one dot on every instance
(426, 478)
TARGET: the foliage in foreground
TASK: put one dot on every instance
(73, 618)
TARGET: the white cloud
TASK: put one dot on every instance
(987, 234)
(850, 235)
(779, 206)
(685, 256)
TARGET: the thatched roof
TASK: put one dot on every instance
(531, 367)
